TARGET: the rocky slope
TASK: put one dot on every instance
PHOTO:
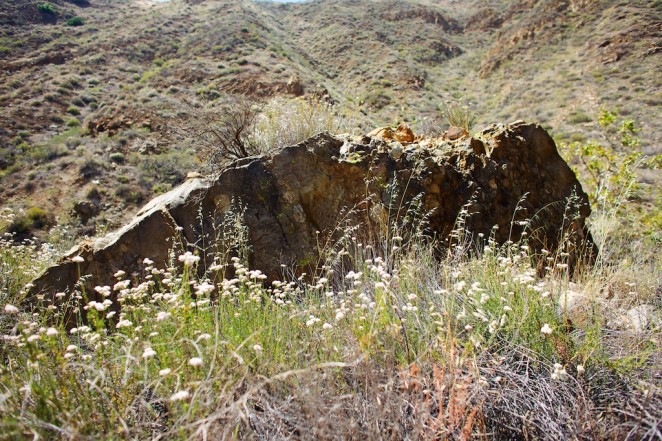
(95, 112)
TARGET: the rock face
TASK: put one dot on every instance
(509, 176)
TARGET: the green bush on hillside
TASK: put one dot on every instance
(75, 21)
(46, 8)
(34, 218)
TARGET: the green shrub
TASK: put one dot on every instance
(579, 118)
(46, 8)
(34, 218)
(75, 21)
(129, 194)
(73, 110)
(117, 157)
(73, 122)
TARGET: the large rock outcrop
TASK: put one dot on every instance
(509, 176)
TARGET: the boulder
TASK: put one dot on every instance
(455, 133)
(402, 133)
(86, 210)
(290, 202)
(294, 86)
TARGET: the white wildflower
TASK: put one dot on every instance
(195, 362)
(559, 372)
(51, 332)
(11, 309)
(327, 326)
(103, 290)
(340, 315)
(189, 259)
(119, 286)
(546, 329)
(77, 259)
(164, 372)
(162, 315)
(124, 324)
(149, 353)
(181, 395)
(203, 289)
(203, 337)
(580, 369)
(257, 348)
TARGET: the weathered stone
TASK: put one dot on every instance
(294, 86)
(454, 133)
(642, 317)
(298, 196)
(86, 210)
(396, 152)
(402, 133)
(382, 132)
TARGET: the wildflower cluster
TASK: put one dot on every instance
(191, 342)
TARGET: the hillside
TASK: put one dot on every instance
(86, 100)
(331, 219)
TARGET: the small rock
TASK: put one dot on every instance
(641, 317)
(396, 152)
(147, 147)
(294, 86)
(454, 133)
(383, 133)
(404, 134)
(193, 175)
(346, 148)
(86, 210)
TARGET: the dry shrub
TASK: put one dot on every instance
(240, 126)
(227, 132)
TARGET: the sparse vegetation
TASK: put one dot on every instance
(471, 346)
(610, 177)
(245, 126)
(459, 115)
